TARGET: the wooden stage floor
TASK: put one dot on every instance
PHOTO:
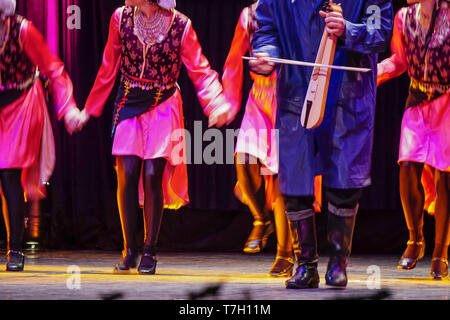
(213, 276)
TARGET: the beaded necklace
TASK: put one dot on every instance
(150, 30)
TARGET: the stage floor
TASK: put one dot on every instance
(227, 276)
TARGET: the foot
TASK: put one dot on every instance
(306, 277)
(147, 264)
(258, 237)
(282, 267)
(336, 275)
(16, 261)
(439, 269)
(129, 260)
(415, 251)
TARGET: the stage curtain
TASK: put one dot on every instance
(82, 200)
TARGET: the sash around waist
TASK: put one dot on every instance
(420, 92)
(10, 95)
(135, 97)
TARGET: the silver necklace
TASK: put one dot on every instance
(150, 30)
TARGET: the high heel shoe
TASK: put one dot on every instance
(409, 263)
(129, 260)
(16, 261)
(147, 264)
(439, 269)
(258, 237)
(282, 267)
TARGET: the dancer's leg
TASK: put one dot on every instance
(252, 186)
(128, 173)
(439, 264)
(14, 216)
(413, 198)
(153, 212)
(283, 262)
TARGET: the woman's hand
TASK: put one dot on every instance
(222, 115)
(75, 120)
(84, 118)
(72, 120)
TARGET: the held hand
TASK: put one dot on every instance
(260, 65)
(220, 116)
(335, 23)
(72, 120)
(84, 118)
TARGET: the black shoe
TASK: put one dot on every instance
(406, 263)
(147, 264)
(336, 275)
(129, 260)
(282, 267)
(306, 277)
(16, 261)
(258, 237)
(439, 269)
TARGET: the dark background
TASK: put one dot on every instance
(81, 212)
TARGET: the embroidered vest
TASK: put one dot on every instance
(159, 62)
(17, 71)
(427, 65)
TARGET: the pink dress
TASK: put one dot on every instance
(159, 132)
(26, 137)
(425, 133)
(257, 135)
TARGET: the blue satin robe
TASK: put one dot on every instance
(341, 147)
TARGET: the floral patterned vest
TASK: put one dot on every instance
(432, 65)
(17, 71)
(159, 62)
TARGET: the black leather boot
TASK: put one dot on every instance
(16, 261)
(306, 275)
(340, 234)
(129, 260)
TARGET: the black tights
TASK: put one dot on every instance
(13, 206)
(128, 174)
(252, 186)
(413, 198)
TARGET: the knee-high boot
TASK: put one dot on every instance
(306, 275)
(340, 235)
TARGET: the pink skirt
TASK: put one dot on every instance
(257, 135)
(158, 133)
(26, 141)
(425, 138)
(425, 135)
